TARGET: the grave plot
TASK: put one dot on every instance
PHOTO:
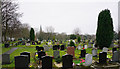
(84, 57)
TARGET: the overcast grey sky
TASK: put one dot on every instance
(65, 15)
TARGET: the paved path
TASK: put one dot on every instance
(11, 50)
(8, 52)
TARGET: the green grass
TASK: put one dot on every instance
(31, 49)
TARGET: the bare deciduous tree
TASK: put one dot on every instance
(76, 31)
(10, 17)
(50, 29)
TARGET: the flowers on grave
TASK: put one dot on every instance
(30, 65)
(36, 55)
(79, 62)
(82, 61)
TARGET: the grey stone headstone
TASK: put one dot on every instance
(89, 46)
(94, 52)
(46, 48)
(21, 62)
(88, 59)
(56, 54)
(67, 61)
(115, 57)
(5, 58)
(105, 49)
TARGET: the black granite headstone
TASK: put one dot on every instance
(40, 54)
(6, 45)
(55, 47)
(62, 47)
(102, 57)
(67, 61)
(37, 47)
(40, 48)
(46, 62)
(33, 43)
(83, 52)
(114, 49)
(26, 53)
(21, 62)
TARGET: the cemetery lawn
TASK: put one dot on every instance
(32, 50)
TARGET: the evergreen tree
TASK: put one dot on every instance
(72, 36)
(32, 35)
(72, 43)
(79, 39)
(104, 34)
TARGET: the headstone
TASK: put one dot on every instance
(89, 45)
(33, 43)
(23, 43)
(115, 57)
(58, 47)
(79, 47)
(114, 49)
(85, 46)
(88, 59)
(40, 49)
(27, 44)
(5, 58)
(21, 62)
(37, 48)
(105, 49)
(55, 47)
(67, 61)
(56, 54)
(6, 45)
(40, 54)
(94, 52)
(26, 53)
(46, 48)
(36, 42)
(102, 57)
(46, 62)
(83, 53)
(71, 51)
(62, 47)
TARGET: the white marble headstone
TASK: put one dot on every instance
(88, 59)
(27, 44)
(105, 49)
(79, 47)
(85, 47)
